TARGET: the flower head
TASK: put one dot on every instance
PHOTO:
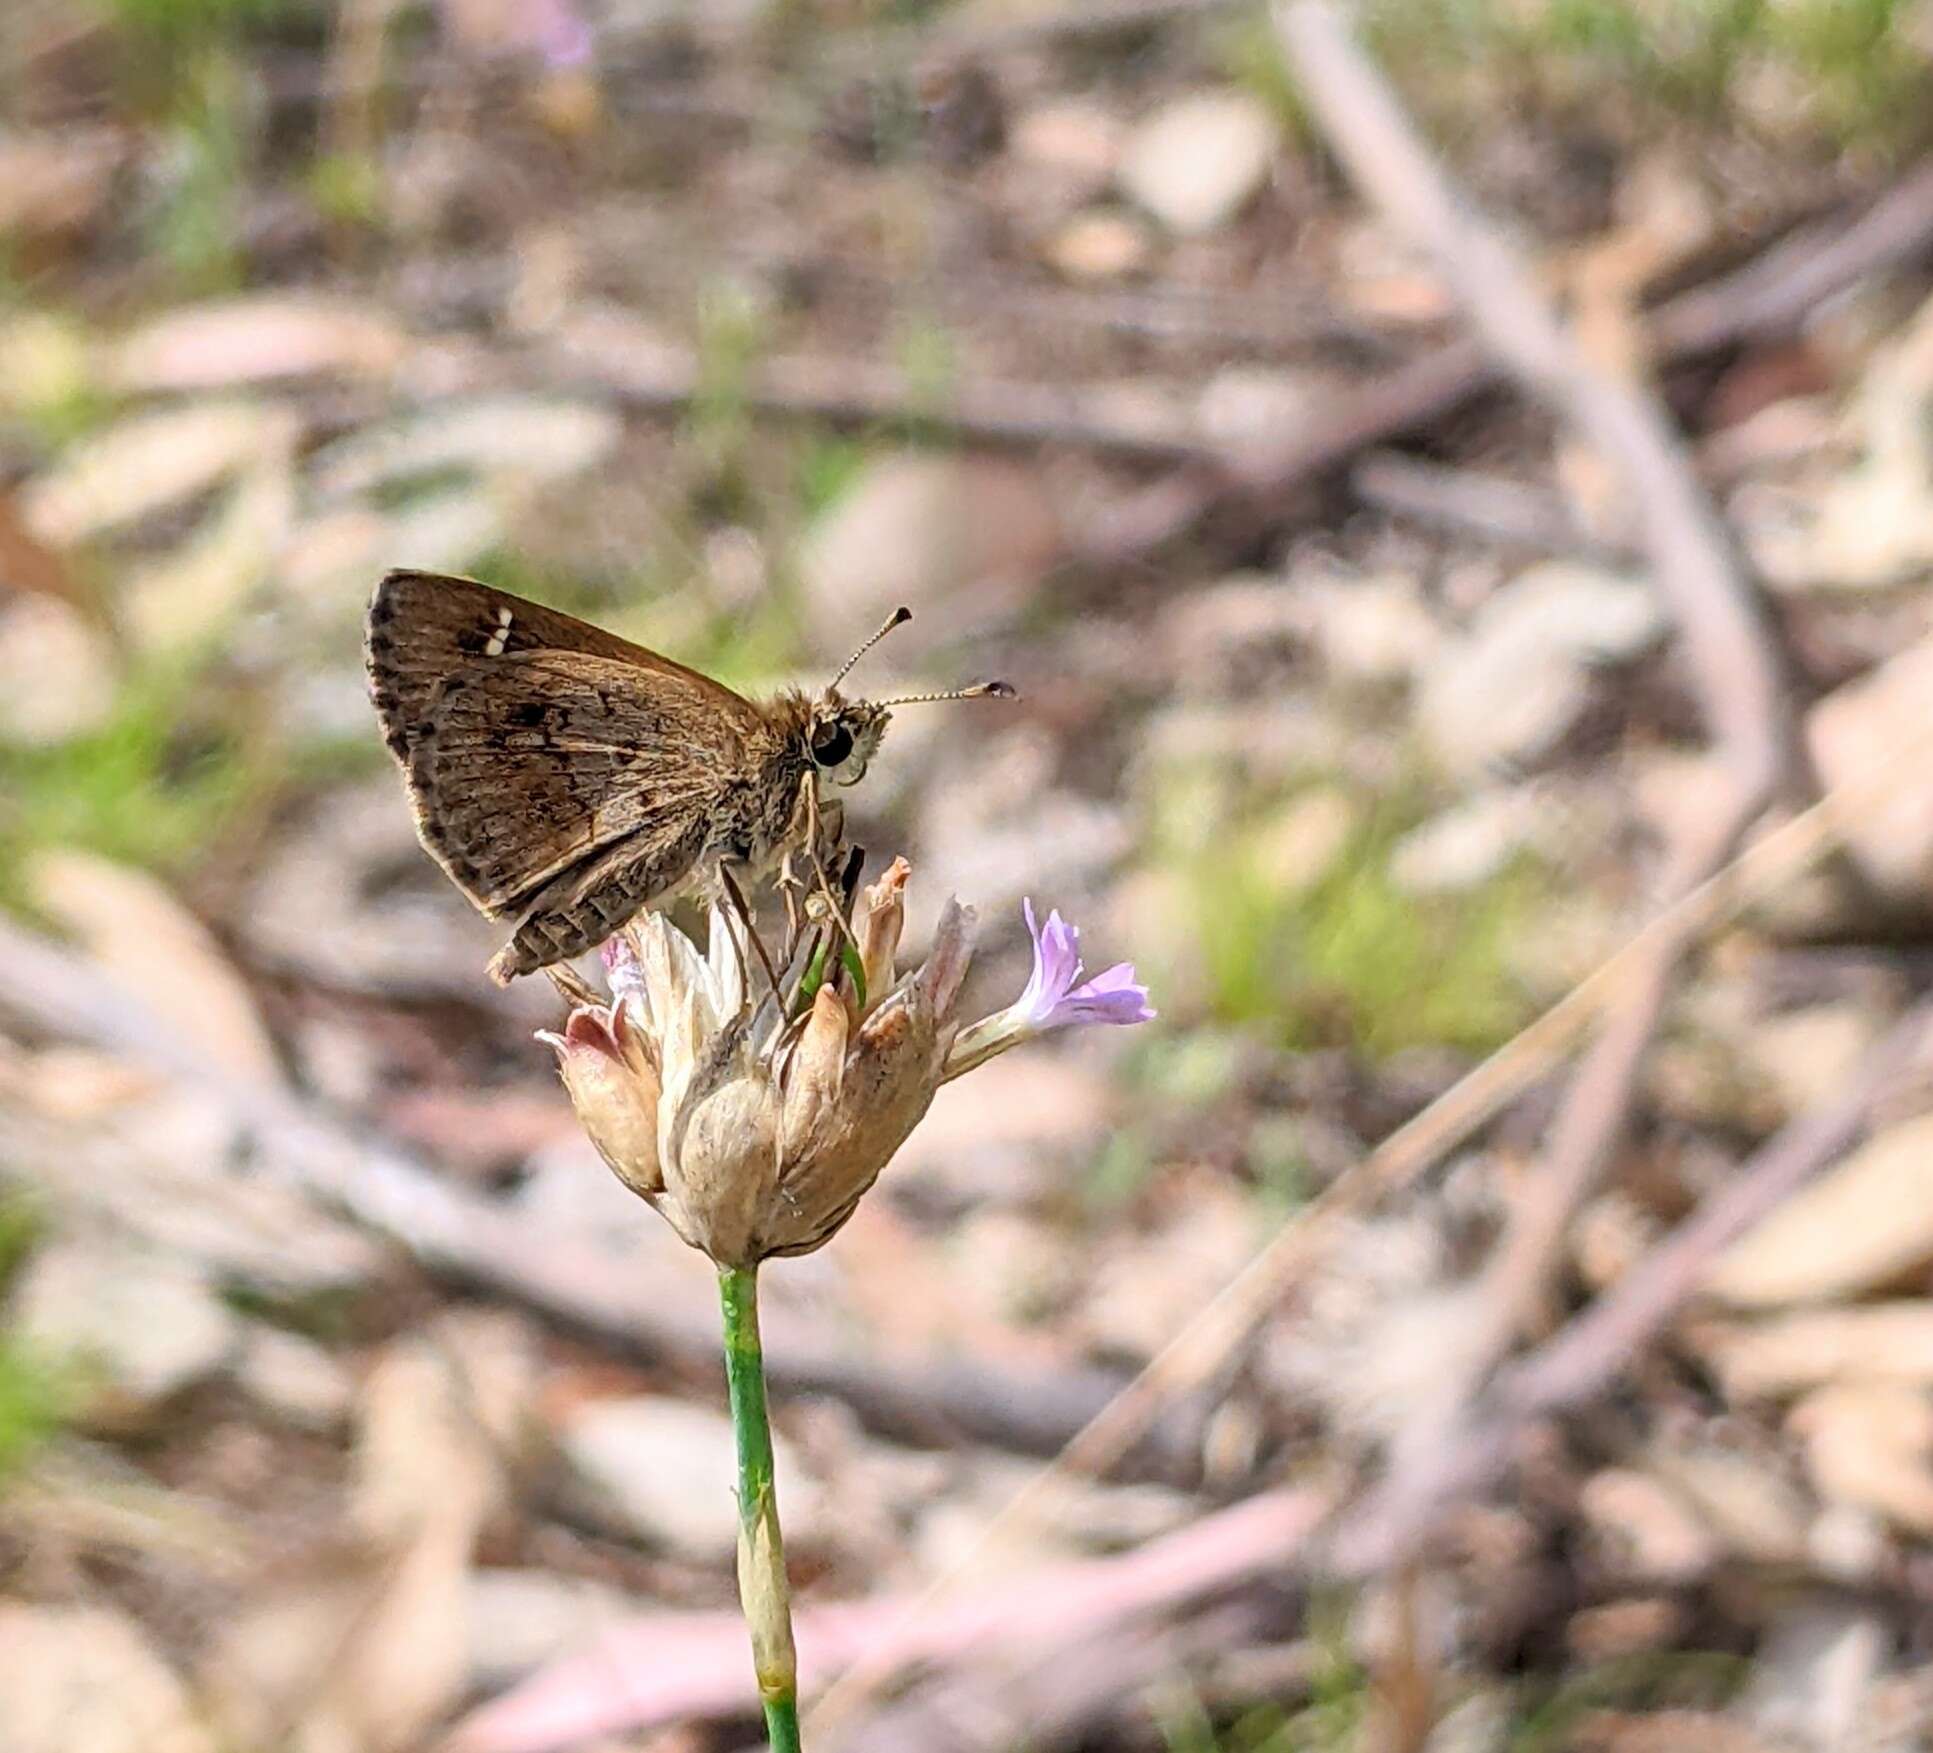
(753, 1127)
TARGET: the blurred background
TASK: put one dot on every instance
(348, 1405)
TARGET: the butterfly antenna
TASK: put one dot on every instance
(979, 691)
(899, 617)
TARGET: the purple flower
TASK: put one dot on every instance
(554, 31)
(1051, 998)
(559, 33)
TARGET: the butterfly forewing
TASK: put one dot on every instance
(554, 768)
(426, 626)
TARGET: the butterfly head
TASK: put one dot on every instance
(842, 735)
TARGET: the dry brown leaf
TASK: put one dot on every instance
(1863, 1223)
(366, 1650)
(56, 182)
(1866, 727)
(1744, 1498)
(507, 438)
(1870, 1445)
(27, 563)
(259, 338)
(1889, 1341)
(934, 530)
(193, 592)
(148, 943)
(145, 464)
(1666, 1731)
(1655, 1533)
(57, 672)
(85, 1680)
(1869, 526)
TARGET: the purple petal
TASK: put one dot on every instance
(1030, 993)
(561, 34)
(1057, 963)
(622, 968)
(1063, 946)
(1112, 996)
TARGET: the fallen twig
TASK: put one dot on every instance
(1583, 1359)
(1492, 507)
(1766, 297)
(1099, 1692)
(676, 1666)
(1772, 294)
(612, 356)
(1735, 666)
(998, 33)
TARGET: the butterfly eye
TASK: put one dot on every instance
(831, 745)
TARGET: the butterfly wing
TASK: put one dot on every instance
(549, 763)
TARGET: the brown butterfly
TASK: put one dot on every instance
(566, 778)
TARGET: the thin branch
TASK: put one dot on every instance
(1254, 480)
(995, 33)
(1774, 293)
(1591, 1120)
(1493, 508)
(1585, 1358)
(1736, 668)
(1735, 664)
(1768, 296)
(613, 358)
(676, 1667)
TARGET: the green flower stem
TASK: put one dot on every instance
(762, 1591)
(816, 972)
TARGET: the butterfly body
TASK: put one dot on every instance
(565, 778)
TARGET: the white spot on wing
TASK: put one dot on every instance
(500, 638)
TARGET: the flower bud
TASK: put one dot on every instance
(880, 926)
(614, 1087)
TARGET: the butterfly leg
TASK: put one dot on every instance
(825, 829)
(802, 870)
(737, 895)
(791, 886)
